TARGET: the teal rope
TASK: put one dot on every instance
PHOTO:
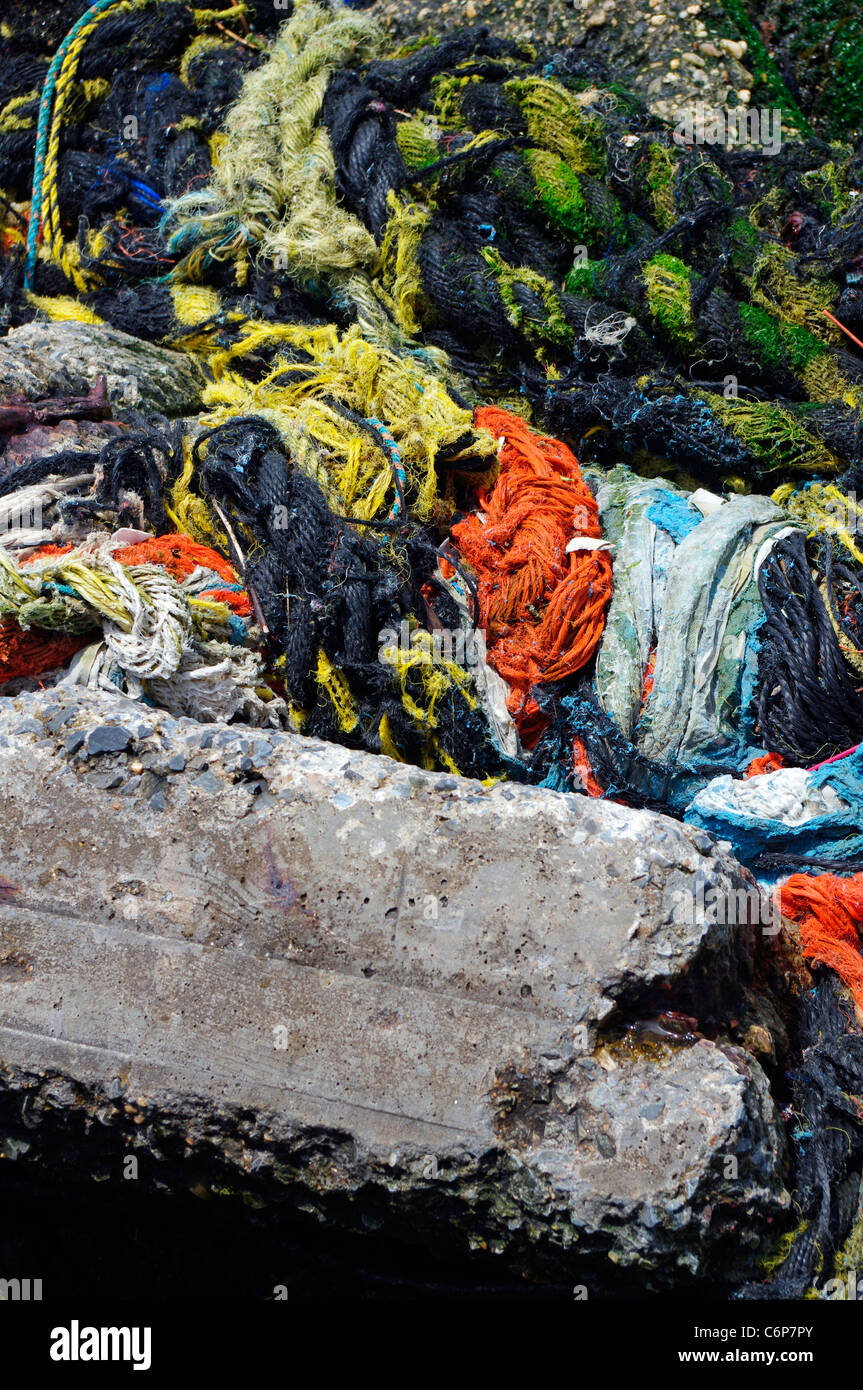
(400, 476)
(43, 131)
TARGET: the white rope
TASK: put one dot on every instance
(161, 621)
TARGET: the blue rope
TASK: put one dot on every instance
(392, 450)
(43, 132)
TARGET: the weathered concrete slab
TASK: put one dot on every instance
(64, 359)
(336, 975)
(306, 851)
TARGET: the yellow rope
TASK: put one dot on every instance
(51, 233)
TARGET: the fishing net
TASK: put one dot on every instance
(528, 442)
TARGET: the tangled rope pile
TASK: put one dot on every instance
(494, 365)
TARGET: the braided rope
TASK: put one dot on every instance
(45, 168)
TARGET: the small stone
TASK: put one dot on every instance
(136, 767)
(759, 1041)
(736, 47)
(470, 9)
(158, 801)
(177, 763)
(149, 783)
(674, 64)
(73, 742)
(108, 738)
(744, 95)
(54, 723)
(595, 20)
(208, 782)
(709, 49)
(31, 726)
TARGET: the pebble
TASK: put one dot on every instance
(208, 782)
(53, 724)
(107, 781)
(177, 763)
(32, 726)
(108, 738)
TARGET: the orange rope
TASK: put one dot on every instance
(830, 912)
(543, 610)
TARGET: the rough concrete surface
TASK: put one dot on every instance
(327, 978)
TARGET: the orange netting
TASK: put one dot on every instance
(43, 551)
(28, 652)
(179, 555)
(583, 769)
(238, 603)
(543, 610)
(768, 762)
(830, 912)
(649, 677)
